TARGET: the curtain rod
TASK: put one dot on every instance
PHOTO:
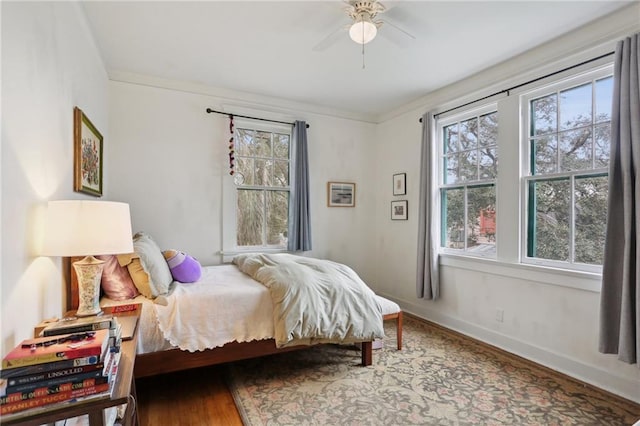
(209, 110)
(517, 86)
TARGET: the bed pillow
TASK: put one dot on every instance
(183, 267)
(147, 267)
(116, 281)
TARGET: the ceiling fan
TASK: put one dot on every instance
(364, 25)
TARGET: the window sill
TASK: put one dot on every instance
(580, 280)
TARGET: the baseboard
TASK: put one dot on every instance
(621, 387)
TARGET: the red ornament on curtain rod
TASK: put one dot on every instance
(231, 147)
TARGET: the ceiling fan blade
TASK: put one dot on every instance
(331, 39)
(391, 24)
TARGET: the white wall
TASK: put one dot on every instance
(49, 65)
(172, 158)
(546, 318)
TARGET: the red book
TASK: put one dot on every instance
(53, 389)
(68, 395)
(57, 348)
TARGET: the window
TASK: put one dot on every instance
(468, 170)
(568, 129)
(262, 165)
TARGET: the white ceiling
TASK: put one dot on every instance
(267, 48)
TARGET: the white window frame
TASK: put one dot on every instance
(586, 76)
(441, 123)
(230, 192)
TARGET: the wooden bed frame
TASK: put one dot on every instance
(155, 363)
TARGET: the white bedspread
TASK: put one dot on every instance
(223, 306)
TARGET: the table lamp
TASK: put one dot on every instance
(87, 228)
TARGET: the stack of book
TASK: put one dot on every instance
(72, 360)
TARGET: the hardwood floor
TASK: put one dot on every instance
(193, 397)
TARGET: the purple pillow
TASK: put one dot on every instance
(183, 267)
(116, 281)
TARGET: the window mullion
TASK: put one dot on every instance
(572, 219)
(465, 216)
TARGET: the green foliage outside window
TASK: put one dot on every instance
(569, 154)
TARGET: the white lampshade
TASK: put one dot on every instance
(363, 30)
(80, 228)
(87, 228)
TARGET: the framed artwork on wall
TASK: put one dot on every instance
(400, 184)
(341, 194)
(399, 210)
(87, 155)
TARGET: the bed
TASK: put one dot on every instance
(242, 327)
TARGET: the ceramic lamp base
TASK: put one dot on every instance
(89, 272)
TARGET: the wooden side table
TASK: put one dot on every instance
(124, 391)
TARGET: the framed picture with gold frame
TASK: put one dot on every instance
(87, 155)
(341, 194)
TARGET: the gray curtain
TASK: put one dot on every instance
(299, 218)
(620, 296)
(428, 276)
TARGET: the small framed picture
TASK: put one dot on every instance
(341, 194)
(87, 155)
(400, 184)
(399, 210)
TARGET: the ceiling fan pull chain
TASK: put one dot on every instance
(363, 43)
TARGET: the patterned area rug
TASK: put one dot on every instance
(439, 378)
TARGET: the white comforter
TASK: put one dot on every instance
(315, 301)
(225, 305)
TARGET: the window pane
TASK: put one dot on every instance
(575, 150)
(262, 145)
(451, 167)
(488, 163)
(263, 172)
(277, 219)
(481, 219)
(453, 214)
(280, 173)
(244, 167)
(281, 146)
(591, 218)
(489, 129)
(250, 217)
(544, 152)
(451, 138)
(469, 165)
(575, 107)
(469, 134)
(604, 95)
(548, 236)
(602, 145)
(243, 141)
(544, 115)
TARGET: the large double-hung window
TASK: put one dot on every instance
(468, 166)
(262, 181)
(566, 146)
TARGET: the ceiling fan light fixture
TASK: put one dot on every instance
(363, 30)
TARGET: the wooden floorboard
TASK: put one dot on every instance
(193, 397)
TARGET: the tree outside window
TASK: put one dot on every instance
(569, 138)
(262, 185)
(469, 167)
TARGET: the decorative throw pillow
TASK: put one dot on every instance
(147, 267)
(116, 281)
(184, 268)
